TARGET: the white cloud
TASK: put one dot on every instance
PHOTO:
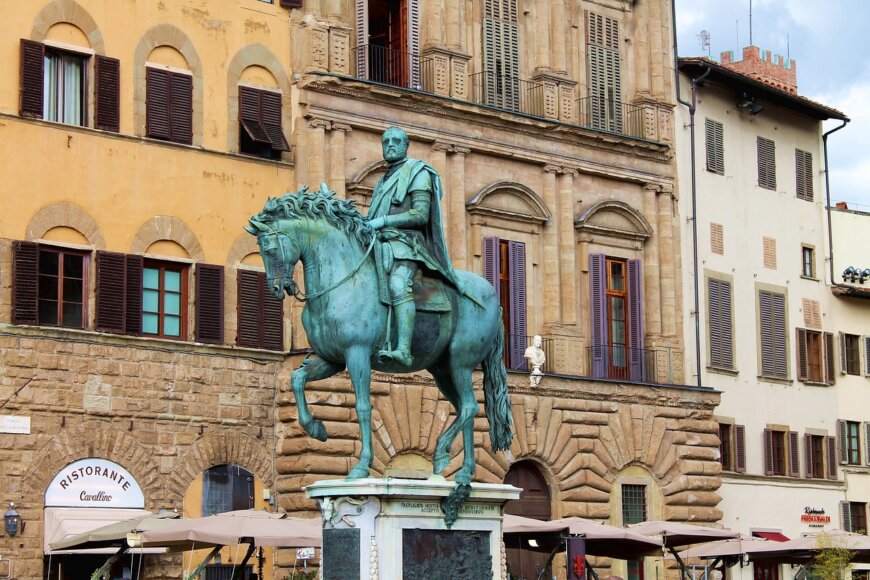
(849, 148)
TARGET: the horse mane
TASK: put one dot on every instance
(340, 213)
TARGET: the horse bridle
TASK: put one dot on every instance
(297, 294)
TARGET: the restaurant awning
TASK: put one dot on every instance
(61, 523)
(772, 536)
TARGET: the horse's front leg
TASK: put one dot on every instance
(311, 370)
(360, 368)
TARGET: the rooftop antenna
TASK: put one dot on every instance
(704, 41)
(750, 23)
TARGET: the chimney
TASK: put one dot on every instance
(773, 70)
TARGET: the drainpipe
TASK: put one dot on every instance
(828, 196)
(691, 106)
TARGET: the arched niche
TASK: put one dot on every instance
(53, 219)
(509, 200)
(362, 185)
(67, 12)
(614, 219)
(167, 229)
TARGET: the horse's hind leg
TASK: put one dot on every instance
(360, 368)
(311, 370)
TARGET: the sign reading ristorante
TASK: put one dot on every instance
(94, 483)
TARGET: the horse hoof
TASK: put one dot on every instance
(358, 472)
(318, 431)
(439, 462)
(462, 477)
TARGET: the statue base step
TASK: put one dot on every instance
(394, 529)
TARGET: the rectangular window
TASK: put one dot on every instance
(505, 268)
(604, 109)
(808, 262)
(169, 105)
(226, 488)
(715, 147)
(164, 300)
(49, 285)
(260, 315)
(772, 330)
(766, 150)
(64, 82)
(775, 452)
(720, 324)
(850, 442)
(260, 131)
(633, 504)
(815, 356)
(850, 357)
(815, 446)
(726, 446)
(854, 517)
(499, 83)
(765, 571)
(804, 174)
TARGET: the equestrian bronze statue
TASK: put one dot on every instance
(370, 279)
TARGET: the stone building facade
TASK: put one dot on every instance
(551, 124)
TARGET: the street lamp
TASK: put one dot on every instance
(12, 519)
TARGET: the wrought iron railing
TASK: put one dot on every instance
(507, 92)
(611, 115)
(616, 361)
(392, 67)
(515, 347)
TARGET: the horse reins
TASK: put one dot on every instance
(298, 295)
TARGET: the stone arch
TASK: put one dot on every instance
(70, 11)
(217, 448)
(242, 246)
(95, 439)
(166, 34)
(253, 55)
(65, 214)
(164, 227)
(362, 184)
(614, 219)
(513, 201)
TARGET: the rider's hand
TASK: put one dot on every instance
(376, 223)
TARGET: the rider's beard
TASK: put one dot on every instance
(394, 159)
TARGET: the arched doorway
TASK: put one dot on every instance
(534, 502)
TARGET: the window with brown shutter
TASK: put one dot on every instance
(25, 272)
(164, 300)
(714, 131)
(169, 105)
(774, 452)
(794, 454)
(726, 446)
(720, 324)
(815, 456)
(49, 285)
(260, 131)
(804, 174)
(766, 151)
(209, 303)
(740, 448)
(772, 331)
(108, 87)
(260, 315)
(119, 293)
(32, 78)
(291, 4)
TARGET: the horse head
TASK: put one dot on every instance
(279, 252)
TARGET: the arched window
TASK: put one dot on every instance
(534, 503)
(226, 488)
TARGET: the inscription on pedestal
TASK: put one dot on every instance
(445, 555)
(341, 551)
(412, 507)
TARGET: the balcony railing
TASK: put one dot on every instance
(616, 361)
(515, 346)
(507, 92)
(392, 67)
(611, 115)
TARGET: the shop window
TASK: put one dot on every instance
(260, 315)
(164, 300)
(169, 105)
(504, 266)
(227, 488)
(260, 131)
(49, 285)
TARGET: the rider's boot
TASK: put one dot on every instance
(405, 314)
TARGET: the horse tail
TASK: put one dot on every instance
(496, 400)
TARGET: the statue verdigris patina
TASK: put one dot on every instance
(365, 276)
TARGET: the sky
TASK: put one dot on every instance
(830, 41)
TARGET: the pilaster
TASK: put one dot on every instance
(567, 251)
(316, 151)
(337, 158)
(458, 248)
(552, 294)
(651, 266)
(665, 203)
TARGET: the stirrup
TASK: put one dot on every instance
(399, 356)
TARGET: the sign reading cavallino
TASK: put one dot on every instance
(94, 483)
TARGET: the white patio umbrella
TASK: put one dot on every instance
(676, 534)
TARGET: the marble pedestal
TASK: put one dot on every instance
(393, 529)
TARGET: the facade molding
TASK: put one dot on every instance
(483, 202)
(167, 228)
(636, 226)
(71, 12)
(68, 215)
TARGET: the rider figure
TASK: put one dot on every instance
(406, 212)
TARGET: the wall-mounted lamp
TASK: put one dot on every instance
(747, 102)
(853, 274)
(12, 519)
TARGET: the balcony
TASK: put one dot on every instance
(507, 92)
(616, 361)
(610, 115)
(392, 67)
(516, 345)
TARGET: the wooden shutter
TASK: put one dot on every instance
(273, 318)
(413, 48)
(828, 358)
(808, 455)
(248, 310)
(209, 303)
(491, 258)
(250, 115)
(804, 174)
(867, 443)
(157, 103)
(842, 437)
(794, 454)
(803, 368)
(133, 308)
(501, 54)
(773, 334)
(721, 330)
(108, 89)
(32, 79)
(181, 108)
(846, 516)
(714, 132)
(766, 151)
(362, 38)
(843, 358)
(768, 452)
(517, 293)
(25, 282)
(111, 292)
(291, 4)
(867, 357)
(740, 448)
(271, 119)
(635, 321)
(832, 453)
(598, 314)
(604, 72)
